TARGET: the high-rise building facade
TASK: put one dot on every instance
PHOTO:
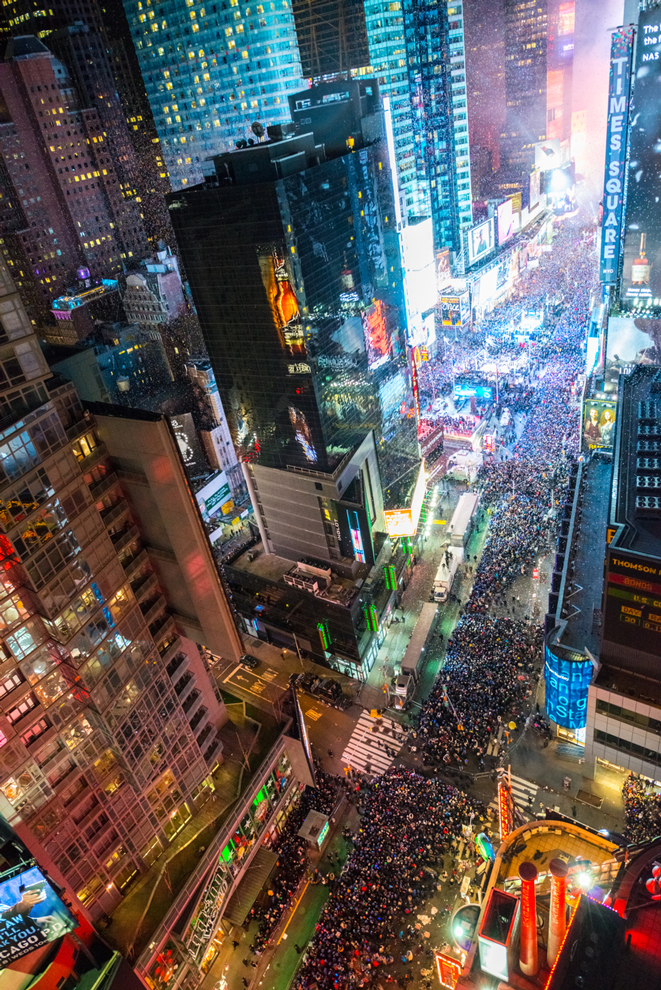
(65, 207)
(211, 72)
(526, 28)
(108, 724)
(434, 33)
(331, 35)
(389, 63)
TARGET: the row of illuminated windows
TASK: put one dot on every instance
(629, 716)
(627, 746)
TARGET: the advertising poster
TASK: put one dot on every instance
(598, 424)
(547, 154)
(633, 602)
(641, 276)
(631, 341)
(443, 273)
(480, 241)
(190, 448)
(377, 340)
(505, 221)
(613, 198)
(31, 915)
(566, 684)
(535, 189)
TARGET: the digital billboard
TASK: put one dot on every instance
(463, 390)
(633, 602)
(616, 129)
(377, 339)
(214, 495)
(535, 189)
(505, 221)
(547, 154)
(443, 272)
(455, 310)
(404, 522)
(480, 241)
(190, 448)
(566, 683)
(598, 430)
(641, 276)
(31, 915)
(631, 340)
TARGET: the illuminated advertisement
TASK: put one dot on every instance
(304, 736)
(480, 241)
(598, 424)
(31, 915)
(505, 221)
(284, 305)
(455, 310)
(449, 970)
(535, 189)
(466, 390)
(547, 154)
(443, 273)
(616, 130)
(496, 931)
(190, 448)
(377, 340)
(641, 276)
(404, 522)
(633, 602)
(214, 495)
(202, 926)
(566, 688)
(631, 340)
(355, 536)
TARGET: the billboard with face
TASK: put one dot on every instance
(632, 340)
(31, 915)
(598, 424)
(480, 241)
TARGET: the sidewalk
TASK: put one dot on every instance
(279, 961)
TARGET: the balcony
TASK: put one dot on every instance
(184, 686)
(114, 513)
(142, 589)
(200, 719)
(103, 486)
(189, 704)
(177, 665)
(133, 564)
(150, 609)
(168, 649)
(121, 540)
(205, 736)
(165, 635)
(99, 453)
(213, 752)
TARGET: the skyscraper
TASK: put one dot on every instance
(211, 72)
(331, 35)
(434, 33)
(106, 750)
(526, 26)
(66, 208)
(389, 63)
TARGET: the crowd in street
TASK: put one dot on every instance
(369, 923)
(292, 858)
(642, 809)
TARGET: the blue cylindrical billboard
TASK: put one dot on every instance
(567, 679)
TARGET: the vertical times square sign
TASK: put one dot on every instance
(616, 147)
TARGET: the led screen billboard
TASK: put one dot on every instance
(631, 340)
(377, 338)
(633, 602)
(547, 154)
(641, 276)
(465, 390)
(566, 683)
(404, 522)
(505, 221)
(598, 431)
(480, 241)
(535, 189)
(31, 915)
(455, 310)
(190, 448)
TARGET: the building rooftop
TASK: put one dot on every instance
(625, 682)
(582, 598)
(270, 567)
(637, 463)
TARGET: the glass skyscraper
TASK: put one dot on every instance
(437, 80)
(211, 70)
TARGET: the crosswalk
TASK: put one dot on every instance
(366, 749)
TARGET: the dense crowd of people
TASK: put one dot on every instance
(292, 858)
(642, 809)
(369, 921)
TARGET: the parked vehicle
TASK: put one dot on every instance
(249, 661)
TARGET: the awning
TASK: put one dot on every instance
(260, 869)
